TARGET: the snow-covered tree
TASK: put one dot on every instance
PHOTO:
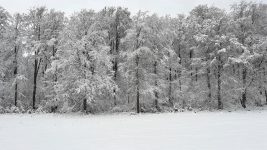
(138, 59)
(84, 63)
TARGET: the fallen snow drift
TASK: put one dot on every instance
(177, 131)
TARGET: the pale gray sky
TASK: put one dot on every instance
(161, 7)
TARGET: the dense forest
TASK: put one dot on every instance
(115, 61)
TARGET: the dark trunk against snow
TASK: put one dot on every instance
(180, 72)
(191, 56)
(220, 105)
(53, 51)
(208, 84)
(16, 93)
(137, 101)
(208, 77)
(34, 81)
(128, 98)
(16, 61)
(170, 87)
(54, 54)
(244, 92)
(156, 85)
(265, 80)
(180, 82)
(115, 53)
(36, 68)
(137, 86)
(85, 105)
(115, 69)
(15, 75)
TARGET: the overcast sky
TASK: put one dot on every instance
(161, 7)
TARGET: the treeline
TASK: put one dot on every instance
(112, 61)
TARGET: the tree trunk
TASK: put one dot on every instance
(180, 82)
(191, 56)
(137, 86)
(16, 93)
(16, 61)
(265, 80)
(180, 72)
(53, 51)
(220, 105)
(128, 98)
(34, 82)
(244, 97)
(117, 43)
(137, 100)
(45, 68)
(114, 97)
(116, 52)
(36, 68)
(170, 87)
(208, 84)
(115, 69)
(156, 101)
(54, 54)
(85, 105)
(156, 85)
(15, 75)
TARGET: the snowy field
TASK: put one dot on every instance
(173, 131)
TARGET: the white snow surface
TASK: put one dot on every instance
(241, 130)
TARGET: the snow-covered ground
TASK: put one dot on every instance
(174, 131)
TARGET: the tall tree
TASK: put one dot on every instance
(83, 62)
(138, 56)
(35, 29)
(17, 22)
